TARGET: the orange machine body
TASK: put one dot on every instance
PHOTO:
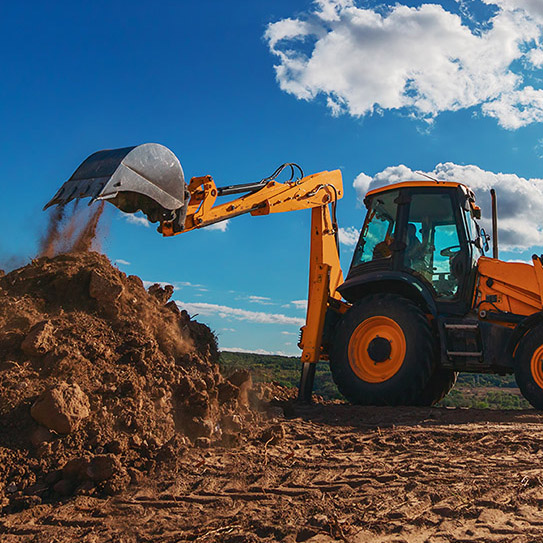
(512, 287)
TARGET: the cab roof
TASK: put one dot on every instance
(412, 184)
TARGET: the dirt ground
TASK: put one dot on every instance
(329, 472)
(117, 426)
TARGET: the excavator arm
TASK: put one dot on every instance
(149, 178)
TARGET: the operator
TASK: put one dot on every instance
(414, 251)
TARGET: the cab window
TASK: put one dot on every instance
(473, 233)
(432, 242)
(378, 230)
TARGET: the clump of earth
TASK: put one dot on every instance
(103, 382)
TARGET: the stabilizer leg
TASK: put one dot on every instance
(305, 390)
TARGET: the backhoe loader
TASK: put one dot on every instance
(421, 301)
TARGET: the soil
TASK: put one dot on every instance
(103, 382)
(116, 425)
(333, 473)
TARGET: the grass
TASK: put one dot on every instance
(481, 391)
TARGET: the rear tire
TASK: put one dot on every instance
(529, 366)
(440, 384)
(383, 352)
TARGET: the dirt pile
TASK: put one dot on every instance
(102, 381)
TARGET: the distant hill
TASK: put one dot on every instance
(472, 390)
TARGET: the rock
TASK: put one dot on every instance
(61, 408)
(36, 489)
(239, 377)
(227, 392)
(102, 467)
(116, 484)
(243, 380)
(272, 435)
(39, 340)
(104, 289)
(40, 435)
(53, 477)
(64, 487)
(75, 469)
(161, 293)
(19, 503)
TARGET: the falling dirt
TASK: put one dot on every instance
(87, 238)
(71, 228)
(52, 234)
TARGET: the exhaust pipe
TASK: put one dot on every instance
(494, 224)
(146, 178)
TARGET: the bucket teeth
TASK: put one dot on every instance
(146, 178)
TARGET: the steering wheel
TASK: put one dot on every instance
(448, 251)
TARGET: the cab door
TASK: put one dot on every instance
(436, 247)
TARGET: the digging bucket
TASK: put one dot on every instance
(146, 178)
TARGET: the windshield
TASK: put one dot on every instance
(376, 235)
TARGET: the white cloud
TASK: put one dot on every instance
(285, 333)
(520, 200)
(224, 312)
(520, 261)
(422, 60)
(136, 219)
(299, 304)
(219, 226)
(349, 236)
(262, 300)
(255, 351)
(518, 108)
(189, 284)
(122, 262)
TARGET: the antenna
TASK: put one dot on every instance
(427, 176)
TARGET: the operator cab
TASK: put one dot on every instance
(424, 233)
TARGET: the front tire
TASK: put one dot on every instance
(383, 352)
(529, 366)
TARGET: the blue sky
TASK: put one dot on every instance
(380, 90)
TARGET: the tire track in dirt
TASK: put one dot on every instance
(341, 473)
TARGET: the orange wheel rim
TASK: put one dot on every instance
(536, 366)
(377, 349)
